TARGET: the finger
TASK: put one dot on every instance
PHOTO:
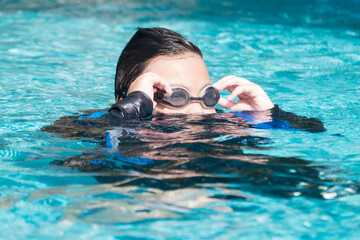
(162, 84)
(224, 79)
(239, 106)
(154, 104)
(230, 81)
(242, 107)
(157, 81)
(225, 103)
(219, 84)
(243, 91)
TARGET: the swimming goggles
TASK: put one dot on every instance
(180, 97)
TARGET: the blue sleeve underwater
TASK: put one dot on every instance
(94, 115)
(273, 124)
(111, 147)
(284, 120)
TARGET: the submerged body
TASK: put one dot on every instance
(178, 151)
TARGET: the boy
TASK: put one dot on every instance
(156, 62)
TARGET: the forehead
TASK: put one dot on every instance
(187, 70)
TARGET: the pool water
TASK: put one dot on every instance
(180, 177)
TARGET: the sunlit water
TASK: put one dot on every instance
(180, 177)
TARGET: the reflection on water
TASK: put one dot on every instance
(98, 203)
(176, 153)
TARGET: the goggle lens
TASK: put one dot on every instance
(211, 97)
(179, 98)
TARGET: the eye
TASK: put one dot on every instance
(179, 97)
(211, 96)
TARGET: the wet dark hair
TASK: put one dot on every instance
(146, 44)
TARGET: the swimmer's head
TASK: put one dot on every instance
(145, 45)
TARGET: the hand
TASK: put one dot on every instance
(251, 96)
(149, 83)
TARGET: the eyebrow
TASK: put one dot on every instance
(181, 86)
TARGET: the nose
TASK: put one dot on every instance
(194, 108)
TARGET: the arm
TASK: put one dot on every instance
(136, 105)
(299, 122)
(91, 125)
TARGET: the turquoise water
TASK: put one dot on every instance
(58, 58)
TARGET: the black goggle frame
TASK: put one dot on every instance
(180, 98)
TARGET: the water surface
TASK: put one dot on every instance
(209, 177)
